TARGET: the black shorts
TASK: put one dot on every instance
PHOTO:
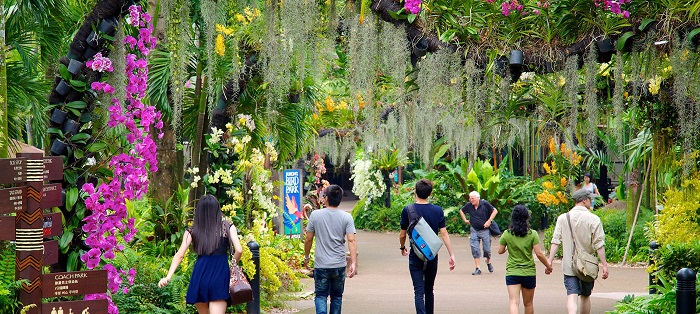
(527, 282)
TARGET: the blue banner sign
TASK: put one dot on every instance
(292, 202)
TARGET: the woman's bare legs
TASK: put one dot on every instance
(514, 297)
(202, 308)
(217, 307)
(528, 295)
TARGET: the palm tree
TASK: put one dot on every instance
(35, 33)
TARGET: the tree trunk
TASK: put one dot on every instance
(168, 178)
(4, 139)
(171, 163)
(197, 141)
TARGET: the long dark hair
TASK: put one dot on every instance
(206, 228)
(520, 221)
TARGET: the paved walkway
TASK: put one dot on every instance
(383, 283)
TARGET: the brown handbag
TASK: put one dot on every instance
(238, 285)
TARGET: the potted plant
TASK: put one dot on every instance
(90, 52)
(71, 127)
(60, 111)
(108, 25)
(63, 87)
(59, 147)
(94, 40)
(75, 66)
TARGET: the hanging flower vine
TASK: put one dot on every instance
(108, 220)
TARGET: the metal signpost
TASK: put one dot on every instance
(25, 194)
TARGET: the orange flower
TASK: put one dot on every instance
(563, 182)
(548, 185)
(552, 146)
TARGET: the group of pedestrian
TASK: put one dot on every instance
(211, 236)
(519, 240)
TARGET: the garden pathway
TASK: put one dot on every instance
(383, 283)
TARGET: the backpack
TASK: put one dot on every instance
(424, 241)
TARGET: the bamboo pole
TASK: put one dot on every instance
(636, 213)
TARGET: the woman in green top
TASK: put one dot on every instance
(521, 241)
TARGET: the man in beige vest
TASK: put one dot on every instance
(588, 231)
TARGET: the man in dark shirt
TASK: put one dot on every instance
(481, 214)
(423, 273)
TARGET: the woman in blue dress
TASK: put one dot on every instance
(210, 236)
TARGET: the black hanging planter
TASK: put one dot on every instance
(420, 48)
(74, 95)
(58, 116)
(606, 48)
(63, 88)
(71, 127)
(108, 25)
(90, 52)
(294, 97)
(75, 66)
(516, 58)
(501, 66)
(94, 40)
(59, 147)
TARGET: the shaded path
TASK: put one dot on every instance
(383, 283)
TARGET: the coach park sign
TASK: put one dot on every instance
(29, 184)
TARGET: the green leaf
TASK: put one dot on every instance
(75, 112)
(78, 153)
(78, 104)
(70, 176)
(72, 264)
(97, 147)
(77, 84)
(448, 35)
(64, 72)
(80, 137)
(692, 34)
(71, 198)
(411, 18)
(645, 23)
(393, 14)
(55, 131)
(440, 152)
(622, 41)
(64, 241)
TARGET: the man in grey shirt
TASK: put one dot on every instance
(330, 226)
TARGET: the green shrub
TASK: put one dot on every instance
(145, 296)
(670, 258)
(679, 221)
(663, 302)
(454, 222)
(616, 235)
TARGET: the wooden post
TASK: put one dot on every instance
(29, 234)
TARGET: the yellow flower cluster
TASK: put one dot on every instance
(548, 169)
(248, 15)
(330, 105)
(569, 154)
(360, 101)
(221, 175)
(230, 209)
(655, 85)
(219, 45)
(548, 199)
(563, 182)
(548, 185)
